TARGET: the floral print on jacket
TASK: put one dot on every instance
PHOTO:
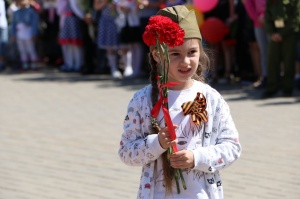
(220, 147)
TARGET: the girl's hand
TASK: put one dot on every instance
(164, 138)
(182, 159)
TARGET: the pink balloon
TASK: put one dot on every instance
(205, 5)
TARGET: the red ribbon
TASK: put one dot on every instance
(161, 104)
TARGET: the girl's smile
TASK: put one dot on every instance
(184, 71)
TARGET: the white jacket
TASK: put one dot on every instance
(139, 147)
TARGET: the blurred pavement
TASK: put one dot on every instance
(59, 138)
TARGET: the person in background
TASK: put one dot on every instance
(282, 22)
(12, 54)
(225, 11)
(256, 11)
(70, 34)
(130, 48)
(102, 66)
(3, 34)
(108, 36)
(89, 44)
(49, 27)
(297, 75)
(25, 30)
(247, 50)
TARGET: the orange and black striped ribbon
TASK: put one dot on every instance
(196, 108)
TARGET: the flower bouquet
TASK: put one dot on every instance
(162, 33)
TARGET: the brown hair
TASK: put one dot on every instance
(204, 62)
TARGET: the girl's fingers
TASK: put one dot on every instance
(164, 138)
(166, 128)
(164, 135)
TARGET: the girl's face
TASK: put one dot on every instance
(184, 62)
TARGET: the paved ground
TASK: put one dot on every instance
(59, 136)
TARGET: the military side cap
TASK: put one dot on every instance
(185, 18)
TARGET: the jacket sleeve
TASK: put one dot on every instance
(138, 147)
(225, 147)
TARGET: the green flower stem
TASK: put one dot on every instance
(177, 181)
(177, 174)
(162, 53)
(182, 179)
(166, 60)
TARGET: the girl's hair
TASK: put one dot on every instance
(204, 62)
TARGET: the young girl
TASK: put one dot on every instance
(3, 34)
(107, 37)
(130, 48)
(24, 28)
(256, 11)
(70, 35)
(206, 144)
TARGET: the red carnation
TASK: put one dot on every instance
(163, 29)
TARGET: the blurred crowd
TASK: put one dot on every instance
(105, 37)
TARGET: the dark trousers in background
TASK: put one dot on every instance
(89, 49)
(102, 62)
(282, 54)
(51, 52)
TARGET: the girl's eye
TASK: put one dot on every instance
(193, 51)
(174, 54)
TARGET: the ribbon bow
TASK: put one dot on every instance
(196, 108)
